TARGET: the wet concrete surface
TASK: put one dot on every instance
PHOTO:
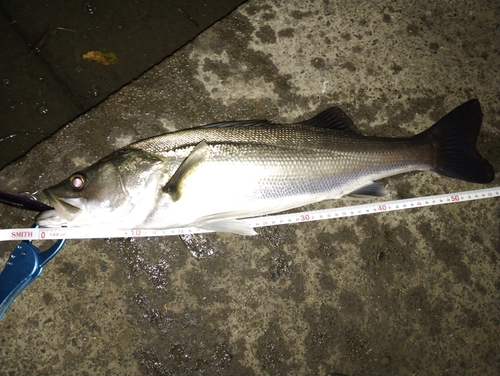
(45, 82)
(413, 292)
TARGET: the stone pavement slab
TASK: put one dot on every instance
(41, 91)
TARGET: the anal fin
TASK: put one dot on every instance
(369, 191)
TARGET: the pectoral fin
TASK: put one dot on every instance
(188, 165)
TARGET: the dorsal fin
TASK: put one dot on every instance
(243, 123)
(332, 118)
(174, 185)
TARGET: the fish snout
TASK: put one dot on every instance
(67, 208)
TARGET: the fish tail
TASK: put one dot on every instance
(456, 135)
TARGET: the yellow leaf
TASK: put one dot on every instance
(104, 59)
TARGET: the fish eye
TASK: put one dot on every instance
(77, 180)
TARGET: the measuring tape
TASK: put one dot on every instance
(272, 220)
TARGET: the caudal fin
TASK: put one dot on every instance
(456, 134)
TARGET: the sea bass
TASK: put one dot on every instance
(211, 176)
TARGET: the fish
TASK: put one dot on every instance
(210, 177)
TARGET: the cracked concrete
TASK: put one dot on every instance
(400, 293)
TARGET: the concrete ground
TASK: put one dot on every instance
(45, 82)
(413, 292)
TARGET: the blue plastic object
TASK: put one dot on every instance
(23, 266)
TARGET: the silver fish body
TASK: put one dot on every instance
(210, 176)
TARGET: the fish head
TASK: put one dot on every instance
(111, 192)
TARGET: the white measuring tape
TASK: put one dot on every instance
(279, 219)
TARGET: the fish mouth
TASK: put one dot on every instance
(67, 208)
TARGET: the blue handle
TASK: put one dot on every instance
(23, 266)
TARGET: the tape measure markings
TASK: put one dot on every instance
(278, 219)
